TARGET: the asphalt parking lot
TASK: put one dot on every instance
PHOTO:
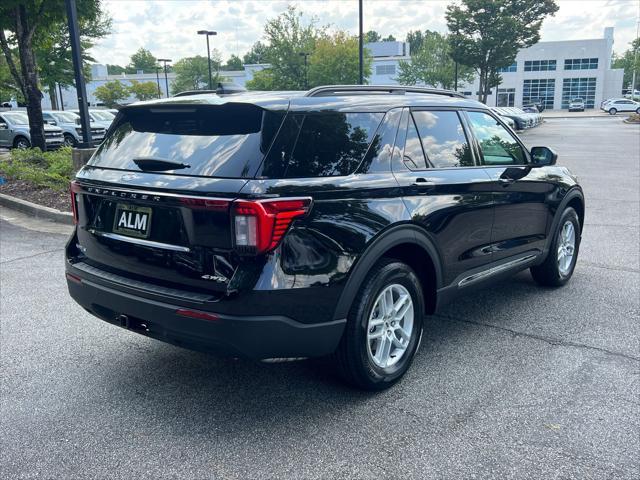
(512, 382)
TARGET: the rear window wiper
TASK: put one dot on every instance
(158, 164)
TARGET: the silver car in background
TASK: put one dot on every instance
(14, 132)
(99, 118)
(69, 122)
(621, 105)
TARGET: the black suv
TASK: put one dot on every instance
(281, 225)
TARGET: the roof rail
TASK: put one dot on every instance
(337, 90)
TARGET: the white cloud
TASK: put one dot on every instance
(168, 28)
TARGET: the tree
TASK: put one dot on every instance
(626, 61)
(143, 90)
(262, 80)
(53, 52)
(234, 63)
(389, 38)
(288, 38)
(335, 61)
(431, 63)
(111, 93)
(192, 73)
(9, 89)
(142, 60)
(21, 23)
(257, 54)
(415, 40)
(371, 36)
(115, 69)
(487, 34)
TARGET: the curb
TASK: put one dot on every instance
(35, 210)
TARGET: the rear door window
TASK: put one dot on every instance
(214, 141)
(320, 144)
(443, 139)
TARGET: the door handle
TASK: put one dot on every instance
(506, 181)
(423, 183)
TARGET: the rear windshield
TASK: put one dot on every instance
(222, 141)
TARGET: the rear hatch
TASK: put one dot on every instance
(154, 202)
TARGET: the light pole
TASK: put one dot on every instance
(360, 46)
(208, 33)
(306, 74)
(76, 55)
(166, 81)
(158, 80)
(635, 60)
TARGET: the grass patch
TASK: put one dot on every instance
(635, 118)
(52, 169)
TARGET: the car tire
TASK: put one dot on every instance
(612, 111)
(558, 267)
(638, 110)
(21, 142)
(69, 140)
(360, 357)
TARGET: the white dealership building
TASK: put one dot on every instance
(549, 72)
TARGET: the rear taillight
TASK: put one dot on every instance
(74, 189)
(260, 225)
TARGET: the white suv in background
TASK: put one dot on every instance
(621, 105)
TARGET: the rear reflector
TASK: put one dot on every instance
(184, 312)
(207, 204)
(260, 225)
(74, 278)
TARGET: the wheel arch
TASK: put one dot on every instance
(18, 137)
(574, 199)
(407, 243)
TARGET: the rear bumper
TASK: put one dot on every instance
(257, 337)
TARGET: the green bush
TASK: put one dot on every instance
(46, 169)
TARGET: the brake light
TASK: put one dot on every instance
(260, 225)
(74, 189)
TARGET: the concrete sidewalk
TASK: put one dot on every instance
(589, 113)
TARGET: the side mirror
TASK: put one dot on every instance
(51, 122)
(3, 126)
(543, 157)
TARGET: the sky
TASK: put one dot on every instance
(168, 28)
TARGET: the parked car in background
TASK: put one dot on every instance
(521, 122)
(69, 122)
(621, 105)
(508, 121)
(304, 224)
(99, 118)
(522, 119)
(609, 100)
(576, 105)
(14, 131)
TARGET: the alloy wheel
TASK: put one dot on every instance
(566, 247)
(390, 326)
(22, 144)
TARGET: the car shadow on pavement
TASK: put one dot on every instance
(203, 390)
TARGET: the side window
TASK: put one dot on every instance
(378, 158)
(443, 139)
(498, 146)
(320, 145)
(413, 155)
